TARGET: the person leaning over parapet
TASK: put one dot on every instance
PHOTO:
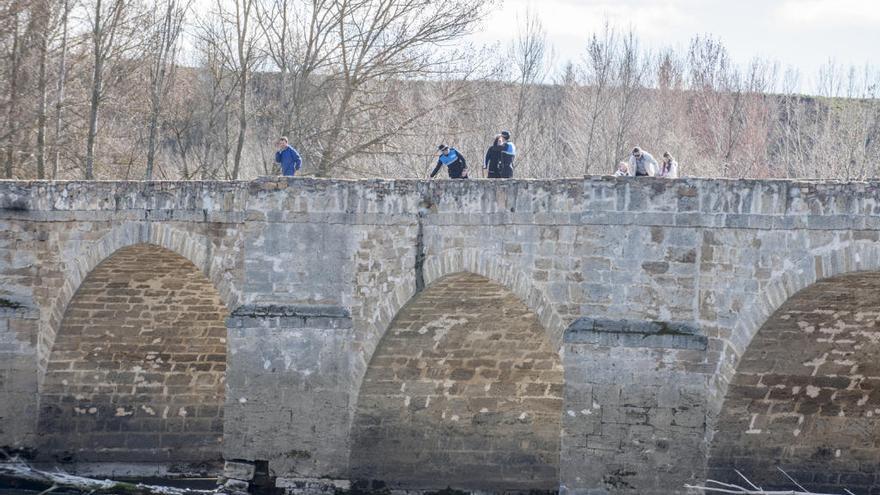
(508, 154)
(669, 167)
(622, 170)
(642, 164)
(454, 162)
(287, 157)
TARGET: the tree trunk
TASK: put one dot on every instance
(62, 76)
(11, 117)
(242, 123)
(97, 39)
(43, 27)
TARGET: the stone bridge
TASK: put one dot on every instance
(596, 335)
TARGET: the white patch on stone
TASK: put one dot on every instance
(596, 405)
(242, 400)
(454, 417)
(841, 414)
(484, 410)
(403, 387)
(796, 432)
(586, 412)
(149, 410)
(406, 401)
(816, 363)
(441, 326)
(79, 410)
(487, 387)
(93, 410)
(837, 453)
(121, 412)
(267, 364)
(157, 340)
(572, 413)
(752, 430)
(813, 391)
(795, 390)
(523, 416)
(182, 412)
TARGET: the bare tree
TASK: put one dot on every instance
(41, 21)
(381, 41)
(14, 20)
(111, 22)
(166, 21)
(601, 53)
(62, 79)
(233, 30)
(528, 52)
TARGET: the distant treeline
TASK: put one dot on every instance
(125, 89)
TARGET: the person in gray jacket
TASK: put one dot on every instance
(642, 164)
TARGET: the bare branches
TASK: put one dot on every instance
(714, 486)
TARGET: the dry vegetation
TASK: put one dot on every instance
(128, 89)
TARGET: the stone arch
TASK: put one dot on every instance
(137, 370)
(195, 247)
(797, 386)
(465, 390)
(475, 261)
(829, 261)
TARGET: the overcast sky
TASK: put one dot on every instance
(800, 33)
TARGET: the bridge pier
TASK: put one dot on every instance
(287, 399)
(634, 416)
(18, 376)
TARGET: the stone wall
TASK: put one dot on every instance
(807, 393)
(137, 370)
(635, 404)
(464, 391)
(319, 268)
(288, 391)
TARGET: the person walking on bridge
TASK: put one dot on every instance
(454, 162)
(642, 164)
(287, 157)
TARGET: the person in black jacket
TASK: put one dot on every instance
(492, 163)
(454, 162)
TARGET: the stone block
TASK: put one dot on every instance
(239, 470)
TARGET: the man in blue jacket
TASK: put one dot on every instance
(454, 162)
(287, 156)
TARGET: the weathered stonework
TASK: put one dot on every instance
(137, 370)
(806, 395)
(464, 391)
(313, 273)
